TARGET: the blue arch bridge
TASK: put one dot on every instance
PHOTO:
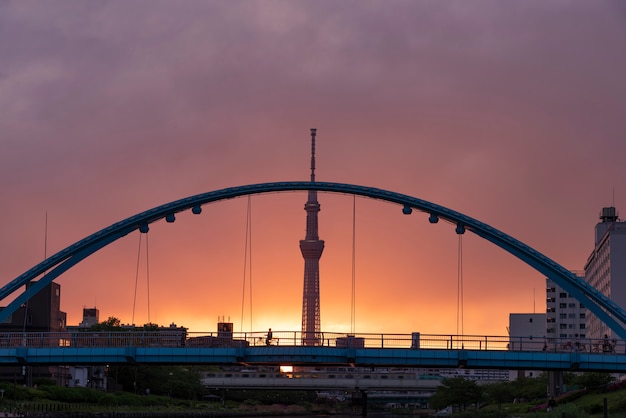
(380, 350)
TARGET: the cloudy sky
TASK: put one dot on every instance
(510, 112)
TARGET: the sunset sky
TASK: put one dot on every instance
(513, 113)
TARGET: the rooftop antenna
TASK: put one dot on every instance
(313, 131)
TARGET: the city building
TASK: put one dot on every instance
(91, 316)
(87, 376)
(224, 337)
(565, 317)
(605, 269)
(95, 376)
(527, 326)
(41, 313)
(527, 332)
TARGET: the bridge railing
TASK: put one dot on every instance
(181, 338)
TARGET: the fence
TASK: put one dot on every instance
(181, 338)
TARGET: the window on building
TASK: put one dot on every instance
(582, 326)
(551, 300)
(562, 305)
(562, 295)
(562, 326)
(562, 315)
(572, 305)
(582, 316)
(551, 289)
(572, 315)
(563, 335)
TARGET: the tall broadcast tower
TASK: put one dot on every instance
(311, 247)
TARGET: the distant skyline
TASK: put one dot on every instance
(509, 112)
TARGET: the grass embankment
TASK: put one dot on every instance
(584, 405)
(56, 400)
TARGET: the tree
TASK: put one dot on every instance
(530, 387)
(112, 323)
(590, 380)
(175, 381)
(500, 392)
(456, 391)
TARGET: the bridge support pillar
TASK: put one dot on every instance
(555, 383)
(359, 402)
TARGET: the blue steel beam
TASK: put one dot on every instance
(306, 355)
(600, 305)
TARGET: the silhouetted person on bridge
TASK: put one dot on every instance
(268, 340)
(607, 347)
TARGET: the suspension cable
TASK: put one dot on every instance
(459, 307)
(248, 245)
(148, 276)
(249, 222)
(353, 311)
(136, 278)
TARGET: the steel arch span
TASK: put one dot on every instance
(608, 311)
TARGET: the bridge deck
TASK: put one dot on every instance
(366, 350)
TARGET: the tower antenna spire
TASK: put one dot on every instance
(311, 248)
(313, 131)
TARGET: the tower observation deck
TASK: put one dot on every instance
(311, 247)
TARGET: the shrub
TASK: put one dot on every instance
(44, 381)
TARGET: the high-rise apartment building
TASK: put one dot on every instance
(605, 269)
(565, 316)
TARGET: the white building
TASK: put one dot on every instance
(605, 269)
(565, 316)
(527, 332)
